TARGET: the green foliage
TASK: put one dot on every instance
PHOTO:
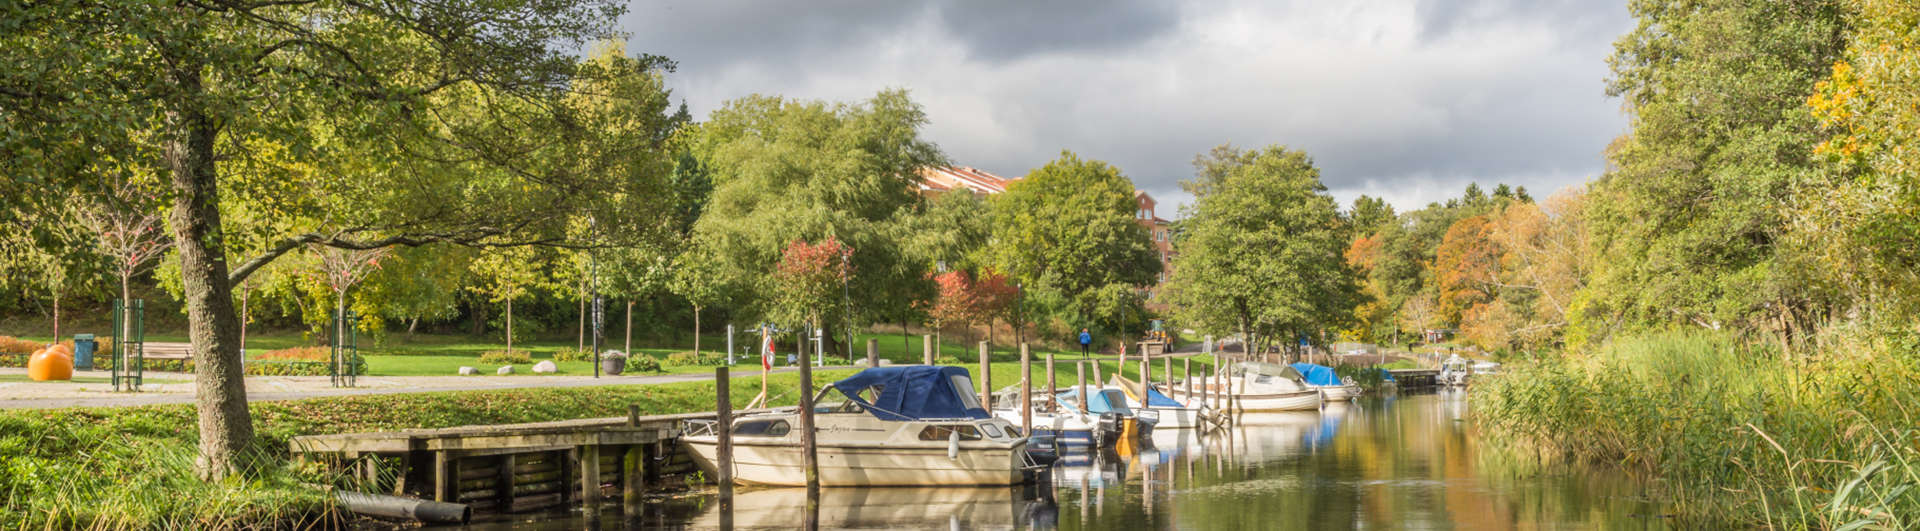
(1069, 229)
(1261, 250)
(689, 358)
(643, 364)
(504, 357)
(568, 354)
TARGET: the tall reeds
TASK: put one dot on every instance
(1734, 431)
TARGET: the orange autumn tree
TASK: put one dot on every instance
(1467, 267)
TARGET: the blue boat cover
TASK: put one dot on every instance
(1099, 403)
(914, 392)
(1318, 374)
(1155, 399)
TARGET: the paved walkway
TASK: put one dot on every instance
(177, 388)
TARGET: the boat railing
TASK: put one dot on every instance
(697, 427)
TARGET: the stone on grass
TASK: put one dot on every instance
(546, 367)
(504, 370)
(469, 371)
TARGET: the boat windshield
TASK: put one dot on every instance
(833, 400)
(963, 386)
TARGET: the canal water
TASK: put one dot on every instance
(1406, 461)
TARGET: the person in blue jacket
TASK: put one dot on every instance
(1086, 342)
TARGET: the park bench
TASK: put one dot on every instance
(168, 351)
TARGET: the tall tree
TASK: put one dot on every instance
(786, 170)
(1691, 215)
(223, 84)
(507, 274)
(1261, 251)
(1069, 228)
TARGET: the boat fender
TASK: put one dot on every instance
(953, 444)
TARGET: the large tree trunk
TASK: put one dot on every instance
(509, 325)
(696, 330)
(226, 427)
(629, 345)
(56, 316)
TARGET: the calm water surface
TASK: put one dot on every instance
(1393, 462)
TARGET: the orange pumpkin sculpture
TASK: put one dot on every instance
(51, 363)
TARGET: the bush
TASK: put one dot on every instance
(315, 353)
(688, 358)
(13, 345)
(643, 364)
(503, 357)
(572, 355)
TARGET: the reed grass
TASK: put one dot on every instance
(1736, 432)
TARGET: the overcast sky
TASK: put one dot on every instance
(1403, 99)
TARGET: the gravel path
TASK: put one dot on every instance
(177, 388)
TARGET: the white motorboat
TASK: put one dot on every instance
(1063, 423)
(1455, 371)
(1260, 387)
(887, 426)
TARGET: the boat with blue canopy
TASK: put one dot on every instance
(1332, 387)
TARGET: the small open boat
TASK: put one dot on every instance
(1059, 421)
(1173, 413)
(1332, 387)
(886, 426)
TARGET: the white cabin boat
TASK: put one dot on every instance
(1332, 387)
(1173, 414)
(888, 426)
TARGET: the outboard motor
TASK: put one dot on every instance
(1109, 428)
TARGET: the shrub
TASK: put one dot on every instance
(503, 357)
(572, 355)
(315, 353)
(688, 358)
(643, 364)
(13, 345)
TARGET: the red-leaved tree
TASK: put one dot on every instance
(809, 278)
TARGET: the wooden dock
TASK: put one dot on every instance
(1415, 378)
(512, 467)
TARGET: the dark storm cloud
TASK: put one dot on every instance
(1406, 99)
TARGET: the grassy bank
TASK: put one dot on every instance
(114, 468)
(1734, 432)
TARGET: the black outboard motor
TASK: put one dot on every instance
(1109, 428)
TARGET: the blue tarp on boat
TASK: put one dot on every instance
(1101, 403)
(1318, 374)
(914, 393)
(1155, 399)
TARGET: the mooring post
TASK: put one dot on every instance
(926, 348)
(1050, 389)
(633, 466)
(444, 480)
(873, 352)
(1166, 372)
(590, 474)
(1119, 368)
(723, 429)
(811, 460)
(986, 379)
(1026, 391)
(1096, 377)
(1186, 377)
(633, 415)
(1080, 376)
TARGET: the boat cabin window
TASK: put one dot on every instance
(992, 430)
(833, 400)
(940, 433)
(964, 387)
(763, 428)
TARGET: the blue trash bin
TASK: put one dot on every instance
(83, 347)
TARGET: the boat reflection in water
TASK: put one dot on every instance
(881, 508)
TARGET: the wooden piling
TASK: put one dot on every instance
(1026, 391)
(1096, 375)
(590, 474)
(986, 378)
(807, 448)
(1050, 388)
(723, 427)
(1146, 378)
(1080, 375)
(873, 352)
(926, 346)
(1186, 377)
(1166, 372)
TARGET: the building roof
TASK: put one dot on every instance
(949, 177)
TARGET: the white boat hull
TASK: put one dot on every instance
(1339, 393)
(864, 465)
(1308, 400)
